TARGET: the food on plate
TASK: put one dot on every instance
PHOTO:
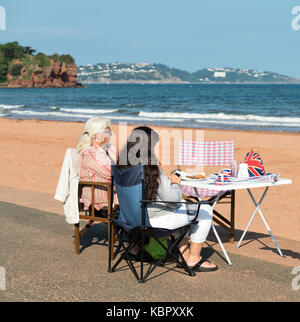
(196, 176)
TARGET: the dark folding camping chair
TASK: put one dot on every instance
(133, 227)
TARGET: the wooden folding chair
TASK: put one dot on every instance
(219, 153)
(90, 214)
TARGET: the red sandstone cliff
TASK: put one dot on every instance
(56, 75)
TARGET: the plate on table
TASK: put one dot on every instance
(190, 176)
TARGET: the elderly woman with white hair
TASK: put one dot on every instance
(96, 157)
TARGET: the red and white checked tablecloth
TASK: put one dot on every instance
(215, 153)
(206, 153)
(203, 193)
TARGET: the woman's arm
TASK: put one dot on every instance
(168, 191)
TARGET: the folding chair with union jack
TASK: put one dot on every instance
(219, 153)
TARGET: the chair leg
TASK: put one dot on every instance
(232, 212)
(86, 227)
(112, 248)
(77, 239)
(111, 243)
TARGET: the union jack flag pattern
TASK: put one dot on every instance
(255, 164)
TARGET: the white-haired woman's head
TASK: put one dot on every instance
(96, 130)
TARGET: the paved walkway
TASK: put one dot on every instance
(37, 254)
(255, 245)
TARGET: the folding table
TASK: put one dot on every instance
(247, 184)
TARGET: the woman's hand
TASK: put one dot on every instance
(174, 178)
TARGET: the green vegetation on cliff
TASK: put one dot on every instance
(13, 57)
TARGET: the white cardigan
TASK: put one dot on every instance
(67, 187)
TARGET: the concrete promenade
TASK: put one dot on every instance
(37, 253)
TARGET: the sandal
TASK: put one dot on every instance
(199, 268)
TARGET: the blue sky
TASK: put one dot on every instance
(190, 34)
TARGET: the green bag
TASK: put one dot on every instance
(154, 249)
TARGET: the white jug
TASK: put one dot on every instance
(243, 171)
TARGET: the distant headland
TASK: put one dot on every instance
(20, 67)
(159, 73)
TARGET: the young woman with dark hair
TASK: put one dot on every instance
(140, 149)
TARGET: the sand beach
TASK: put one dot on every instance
(37, 243)
(32, 152)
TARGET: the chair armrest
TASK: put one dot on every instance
(96, 184)
(203, 202)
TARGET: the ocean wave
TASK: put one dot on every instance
(164, 117)
(87, 111)
(84, 116)
(57, 114)
(250, 123)
(250, 119)
(144, 118)
(9, 107)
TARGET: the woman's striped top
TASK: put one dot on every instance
(95, 166)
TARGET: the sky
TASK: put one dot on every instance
(186, 34)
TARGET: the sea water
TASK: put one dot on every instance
(220, 106)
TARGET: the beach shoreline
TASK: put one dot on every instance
(154, 125)
(32, 152)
